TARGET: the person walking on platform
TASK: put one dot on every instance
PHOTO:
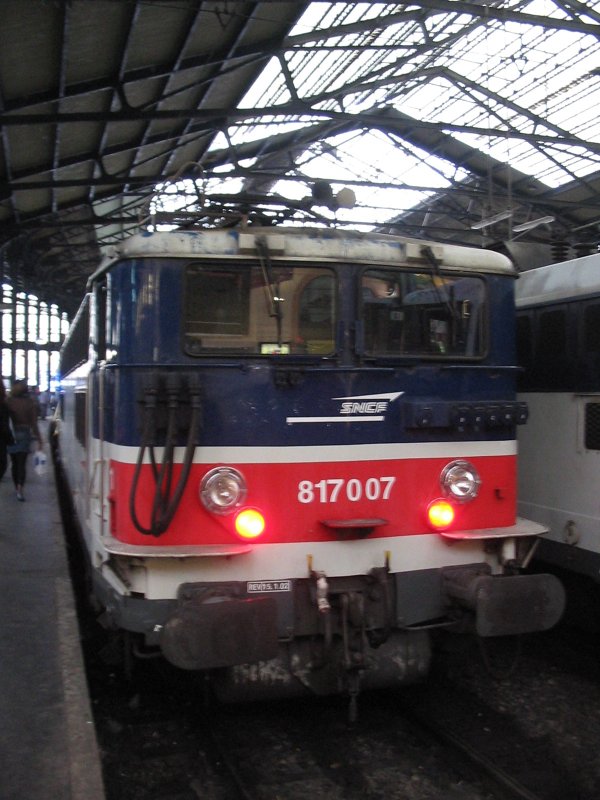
(23, 412)
(6, 436)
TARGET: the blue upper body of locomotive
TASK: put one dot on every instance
(273, 400)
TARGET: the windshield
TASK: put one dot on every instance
(252, 309)
(420, 314)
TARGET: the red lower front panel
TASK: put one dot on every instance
(299, 499)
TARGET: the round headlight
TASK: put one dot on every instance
(222, 490)
(460, 481)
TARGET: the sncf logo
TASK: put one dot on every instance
(355, 408)
(373, 406)
(370, 407)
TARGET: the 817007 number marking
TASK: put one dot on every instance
(331, 490)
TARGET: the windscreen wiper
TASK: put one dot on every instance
(262, 248)
(443, 297)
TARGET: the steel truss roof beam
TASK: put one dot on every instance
(214, 119)
(271, 47)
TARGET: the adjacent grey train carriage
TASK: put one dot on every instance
(558, 324)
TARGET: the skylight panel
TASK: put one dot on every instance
(323, 16)
(257, 129)
(269, 89)
(351, 159)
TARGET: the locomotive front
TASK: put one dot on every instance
(300, 455)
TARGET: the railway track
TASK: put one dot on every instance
(492, 744)
(162, 739)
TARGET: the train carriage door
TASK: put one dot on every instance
(97, 471)
(582, 490)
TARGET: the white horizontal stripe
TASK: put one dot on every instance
(291, 420)
(325, 453)
(385, 396)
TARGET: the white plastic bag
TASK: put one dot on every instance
(40, 462)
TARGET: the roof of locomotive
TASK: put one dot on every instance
(324, 244)
(567, 279)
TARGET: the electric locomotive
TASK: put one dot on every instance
(292, 453)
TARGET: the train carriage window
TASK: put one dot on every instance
(524, 340)
(588, 355)
(217, 301)
(316, 314)
(592, 426)
(551, 362)
(249, 309)
(524, 349)
(591, 329)
(552, 334)
(419, 314)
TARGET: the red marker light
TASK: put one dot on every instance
(249, 523)
(440, 514)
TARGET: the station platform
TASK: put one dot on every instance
(48, 748)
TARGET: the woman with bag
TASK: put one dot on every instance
(23, 414)
(6, 436)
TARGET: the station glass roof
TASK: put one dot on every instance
(523, 94)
